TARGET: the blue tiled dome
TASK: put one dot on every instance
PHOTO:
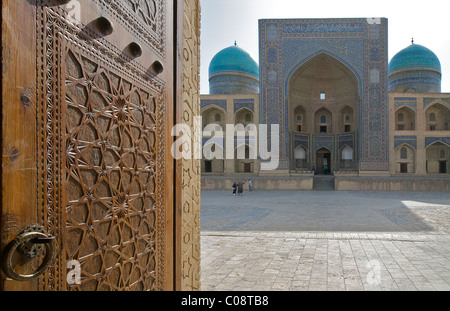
(415, 57)
(415, 69)
(233, 59)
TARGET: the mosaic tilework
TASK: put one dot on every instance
(410, 102)
(301, 140)
(431, 140)
(244, 103)
(421, 82)
(210, 102)
(432, 100)
(360, 44)
(326, 142)
(346, 140)
(226, 84)
(405, 140)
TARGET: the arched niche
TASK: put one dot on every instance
(437, 117)
(244, 116)
(213, 115)
(405, 119)
(405, 159)
(438, 158)
(323, 120)
(323, 81)
(299, 122)
(301, 157)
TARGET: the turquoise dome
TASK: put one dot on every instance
(415, 57)
(233, 59)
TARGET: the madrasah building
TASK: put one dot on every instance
(344, 111)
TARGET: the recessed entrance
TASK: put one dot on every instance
(323, 161)
(247, 167)
(208, 166)
(443, 167)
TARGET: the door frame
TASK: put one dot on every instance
(321, 155)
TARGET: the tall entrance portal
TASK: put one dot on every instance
(323, 108)
(324, 81)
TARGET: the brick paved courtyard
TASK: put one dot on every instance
(325, 240)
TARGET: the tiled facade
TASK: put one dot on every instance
(325, 82)
(358, 44)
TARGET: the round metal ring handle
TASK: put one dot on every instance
(21, 240)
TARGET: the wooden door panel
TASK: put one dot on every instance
(112, 182)
(104, 175)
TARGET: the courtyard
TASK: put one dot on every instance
(325, 240)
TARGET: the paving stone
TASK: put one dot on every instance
(373, 249)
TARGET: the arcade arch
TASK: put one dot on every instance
(438, 158)
(405, 160)
(405, 119)
(213, 115)
(437, 117)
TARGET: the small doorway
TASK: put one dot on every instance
(323, 162)
(247, 167)
(442, 167)
(403, 168)
(208, 166)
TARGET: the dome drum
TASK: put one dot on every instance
(223, 84)
(415, 82)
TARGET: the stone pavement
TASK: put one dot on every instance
(322, 240)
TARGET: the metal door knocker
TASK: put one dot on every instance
(30, 243)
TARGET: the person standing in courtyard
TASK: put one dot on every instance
(234, 188)
(250, 185)
(240, 188)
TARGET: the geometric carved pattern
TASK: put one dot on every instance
(144, 18)
(100, 143)
(146, 9)
(110, 172)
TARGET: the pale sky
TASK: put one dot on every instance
(227, 21)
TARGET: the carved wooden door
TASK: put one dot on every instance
(87, 111)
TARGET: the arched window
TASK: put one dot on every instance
(323, 119)
(248, 117)
(432, 116)
(218, 118)
(404, 153)
(401, 117)
(347, 153)
(300, 153)
(300, 157)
